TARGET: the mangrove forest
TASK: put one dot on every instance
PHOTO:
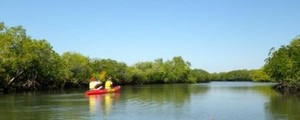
(283, 66)
(32, 64)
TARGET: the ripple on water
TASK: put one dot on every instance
(138, 103)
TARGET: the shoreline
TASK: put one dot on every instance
(287, 88)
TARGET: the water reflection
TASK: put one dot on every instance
(103, 103)
(284, 107)
(176, 94)
(217, 100)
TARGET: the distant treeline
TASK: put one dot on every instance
(30, 64)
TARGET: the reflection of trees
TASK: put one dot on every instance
(284, 107)
(264, 90)
(23, 106)
(171, 93)
(280, 106)
(54, 105)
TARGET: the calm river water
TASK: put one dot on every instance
(207, 101)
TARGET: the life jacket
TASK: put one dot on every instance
(108, 84)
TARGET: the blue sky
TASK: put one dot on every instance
(214, 35)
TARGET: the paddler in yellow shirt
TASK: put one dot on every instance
(108, 84)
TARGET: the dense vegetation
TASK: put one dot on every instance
(283, 66)
(242, 75)
(30, 64)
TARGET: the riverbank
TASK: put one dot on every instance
(287, 88)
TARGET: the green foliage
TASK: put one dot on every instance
(77, 66)
(27, 63)
(112, 68)
(283, 65)
(172, 71)
(235, 75)
(260, 76)
(177, 70)
(199, 75)
(33, 64)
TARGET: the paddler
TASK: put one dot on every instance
(94, 84)
(108, 83)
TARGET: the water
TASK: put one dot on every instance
(215, 100)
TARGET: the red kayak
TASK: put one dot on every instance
(102, 91)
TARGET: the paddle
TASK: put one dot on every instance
(102, 75)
